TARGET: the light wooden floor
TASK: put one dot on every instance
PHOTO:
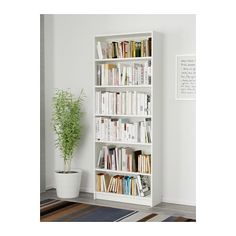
(163, 208)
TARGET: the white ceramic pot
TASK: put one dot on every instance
(68, 184)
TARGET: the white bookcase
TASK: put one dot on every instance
(153, 148)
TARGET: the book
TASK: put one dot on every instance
(136, 155)
(102, 50)
(150, 47)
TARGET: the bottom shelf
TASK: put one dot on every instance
(124, 198)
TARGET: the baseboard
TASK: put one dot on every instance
(49, 187)
(86, 189)
(174, 201)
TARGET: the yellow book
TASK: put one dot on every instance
(133, 49)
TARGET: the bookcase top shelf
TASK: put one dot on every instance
(126, 35)
(123, 59)
(121, 172)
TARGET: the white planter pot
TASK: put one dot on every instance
(68, 184)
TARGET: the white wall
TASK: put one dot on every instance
(69, 64)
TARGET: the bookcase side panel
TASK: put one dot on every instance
(157, 121)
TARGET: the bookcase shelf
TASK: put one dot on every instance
(153, 89)
(123, 143)
(121, 172)
(123, 86)
(124, 198)
(123, 59)
(125, 116)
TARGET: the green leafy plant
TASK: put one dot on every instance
(66, 119)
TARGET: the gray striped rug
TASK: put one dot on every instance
(64, 211)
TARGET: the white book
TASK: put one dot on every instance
(106, 75)
(142, 73)
(134, 105)
(120, 159)
(98, 102)
(139, 184)
(141, 104)
(103, 103)
(99, 158)
(105, 134)
(124, 75)
(109, 103)
(114, 109)
(149, 108)
(98, 74)
(138, 104)
(133, 133)
(127, 102)
(129, 70)
(113, 162)
(97, 128)
(114, 130)
(105, 157)
(145, 107)
(122, 133)
(106, 103)
(136, 132)
(145, 131)
(137, 187)
(132, 74)
(124, 160)
(117, 158)
(99, 50)
(127, 132)
(118, 103)
(139, 75)
(118, 138)
(142, 132)
(146, 73)
(123, 98)
(135, 74)
(107, 129)
(130, 103)
(104, 183)
(119, 74)
(103, 74)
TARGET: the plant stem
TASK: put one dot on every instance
(67, 165)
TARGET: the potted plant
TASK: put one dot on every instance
(67, 125)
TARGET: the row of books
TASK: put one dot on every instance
(108, 129)
(123, 159)
(123, 103)
(124, 74)
(124, 49)
(128, 185)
